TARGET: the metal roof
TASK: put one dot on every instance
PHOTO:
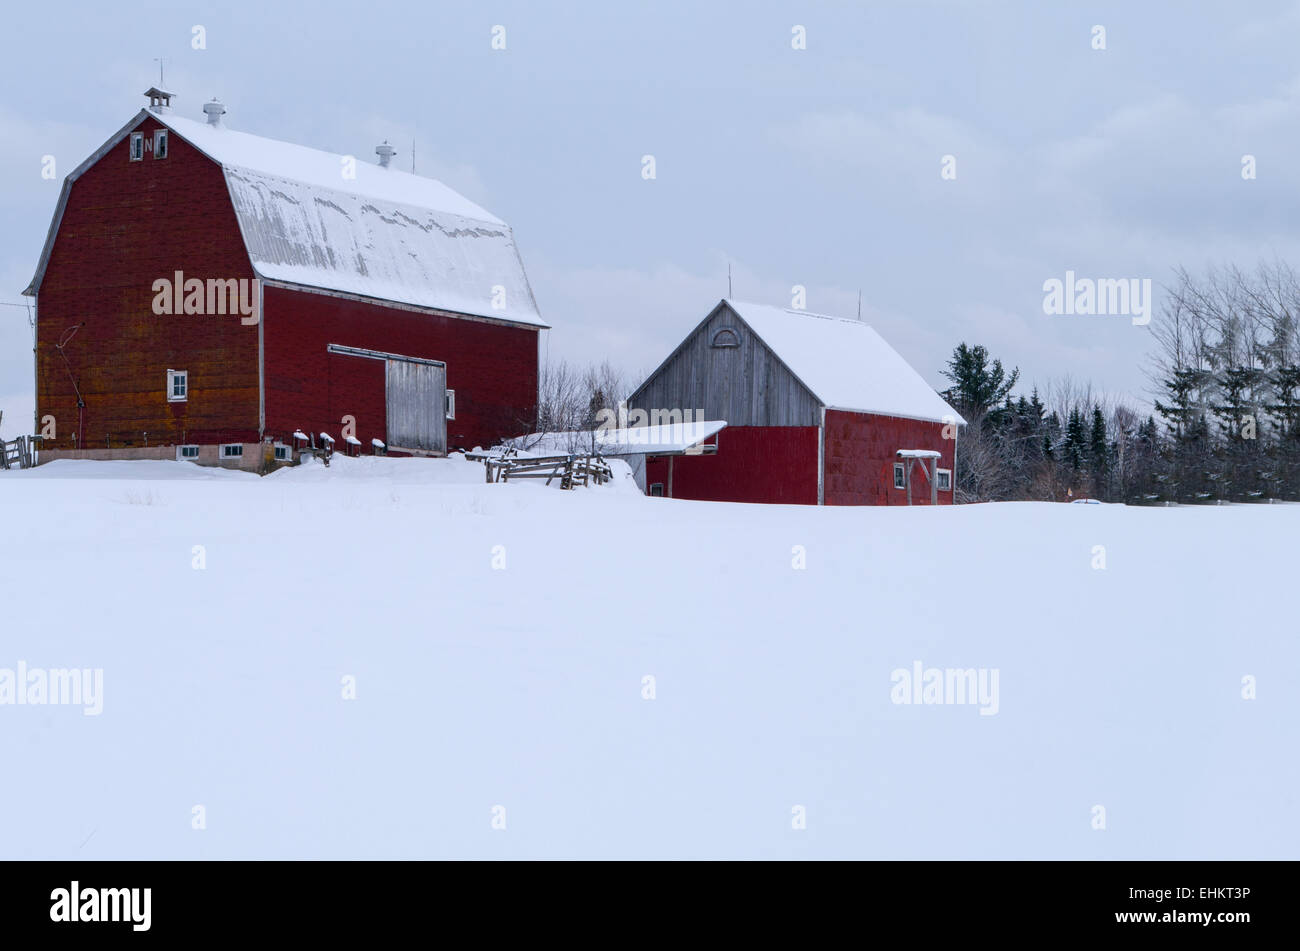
(337, 223)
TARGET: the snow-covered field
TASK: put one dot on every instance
(500, 637)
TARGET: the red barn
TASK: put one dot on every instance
(204, 293)
(819, 411)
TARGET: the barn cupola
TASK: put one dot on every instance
(214, 110)
(159, 99)
(385, 153)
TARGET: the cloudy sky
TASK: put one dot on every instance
(817, 167)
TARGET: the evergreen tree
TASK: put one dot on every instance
(1099, 453)
(978, 387)
(1074, 449)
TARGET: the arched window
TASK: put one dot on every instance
(726, 337)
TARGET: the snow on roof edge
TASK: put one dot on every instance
(826, 368)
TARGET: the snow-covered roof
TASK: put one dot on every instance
(664, 439)
(314, 219)
(844, 363)
(918, 454)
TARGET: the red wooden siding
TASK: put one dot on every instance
(127, 224)
(753, 464)
(492, 367)
(860, 455)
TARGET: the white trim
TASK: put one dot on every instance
(379, 355)
(891, 415)
(135, 154)
(171, 386)
(221, 451)
(451, 403)
(160, 137)
(821, 459)
(275, 452)
(938, 476)
(180, 452)
(900, 476)
(261, 365)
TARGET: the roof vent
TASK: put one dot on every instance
(159, 99)
(385, 153)
(214, 110)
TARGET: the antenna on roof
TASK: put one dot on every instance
(162, 82)
(413, 156)
(728, 280)
(859, 303)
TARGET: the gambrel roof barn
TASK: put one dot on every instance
(376, 291)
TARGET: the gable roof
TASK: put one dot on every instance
(845, 363)
(384, 233)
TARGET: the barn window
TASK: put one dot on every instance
(726, 338)
(160, 143)
(899, 478)
(178, 386)
(657, 489)
(137, 146)
(945, 480)
(283, 453)
(451, 404)
(187, 452)
(232, 450)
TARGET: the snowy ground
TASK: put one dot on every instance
(521, 686)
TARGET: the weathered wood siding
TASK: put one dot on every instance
(417, 406)
(745, 385)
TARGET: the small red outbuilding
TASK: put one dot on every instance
(819, 410)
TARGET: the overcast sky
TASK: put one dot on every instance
(817, 167)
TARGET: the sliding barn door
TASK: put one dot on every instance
(417, 406)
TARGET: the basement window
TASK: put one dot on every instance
(283, 453)
(232, 450)
(899, 478)
(160, 143)
(451, 404)
(657, 489)
(186, 452)
(178, 386)
(945, 480)
(137, 146)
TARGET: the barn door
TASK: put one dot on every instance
(417, 406)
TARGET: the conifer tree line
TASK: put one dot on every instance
(1224, 377)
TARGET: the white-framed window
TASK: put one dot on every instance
(232, 450)
(186, 452)
(657, 489)
(945, 480)
(900, 479)
(451, 404)
(159, 143)
(178, 386)
(137, 146)
(283, 453)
